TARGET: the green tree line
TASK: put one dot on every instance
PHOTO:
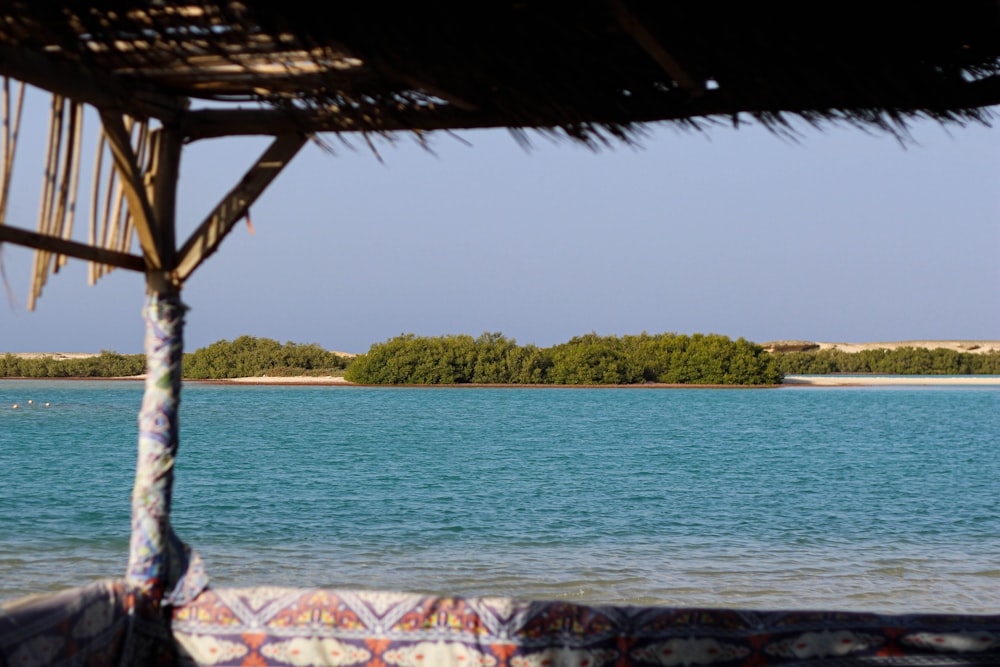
(105, 364)
(494, 359)
(589, 359)
(243, 357)
(900, 361)
(248, 356)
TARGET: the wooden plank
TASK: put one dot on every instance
(206, 239)
(652, 46)
(135, 191)
(61, 246)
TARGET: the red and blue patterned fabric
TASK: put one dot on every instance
(275, 626)
(279, 626)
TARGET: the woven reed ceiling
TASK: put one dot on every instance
(589, 69)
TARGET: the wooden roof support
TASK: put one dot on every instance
(206, 239)
(633, 27)
(135, 190)
(62, 246)
(161, 189)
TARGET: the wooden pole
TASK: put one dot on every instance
(161, 569)
(128, 170)
(161, 189)
(148, 566)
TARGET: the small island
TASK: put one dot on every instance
(648, 360)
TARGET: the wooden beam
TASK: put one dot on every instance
(61, 246)
(652, 46)
(212, 123)
(97, 88)
(161, 190)
(135, 191)
(206, 239)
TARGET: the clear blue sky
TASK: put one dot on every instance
(838, 236)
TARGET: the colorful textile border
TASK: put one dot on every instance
(93, 626)
(276, 626)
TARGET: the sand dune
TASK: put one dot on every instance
(973, 346)
(59, 356)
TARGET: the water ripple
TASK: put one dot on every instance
(880, 499)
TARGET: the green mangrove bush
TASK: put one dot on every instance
(589, 359)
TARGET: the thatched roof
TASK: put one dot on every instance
(589, 68)
(165, 72)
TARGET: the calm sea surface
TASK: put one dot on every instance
(878, 498)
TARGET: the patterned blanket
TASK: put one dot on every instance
(95, 625)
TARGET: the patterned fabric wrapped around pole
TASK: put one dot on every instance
(160, 567)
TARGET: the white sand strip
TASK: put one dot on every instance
(854, 380)
(295, 379)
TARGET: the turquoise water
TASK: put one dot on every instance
(878, 498)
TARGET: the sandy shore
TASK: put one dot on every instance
(970, 346)
(790, 380)
(282, 380)
(874, 380)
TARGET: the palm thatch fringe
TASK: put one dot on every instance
(59, 188)
(11, 128)
(112, 225)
